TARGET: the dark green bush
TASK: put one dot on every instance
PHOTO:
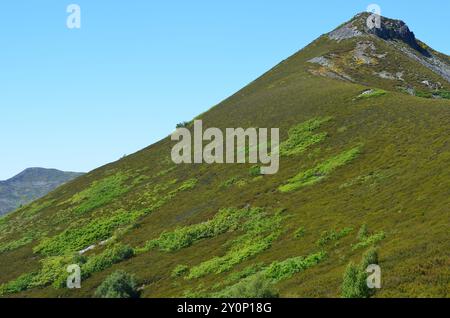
(183, 124)
(16, 286)
(256, 286)
(350, 287)
(118, 285)
(354, 283)
(109, 257)
(443, 94)
(255, 171)
(423, 94)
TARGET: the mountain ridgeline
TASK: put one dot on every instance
(30, 185)
(364, 118)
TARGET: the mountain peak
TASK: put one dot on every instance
(389, 30)
(31, 184)
(385, 54)
(39, 174)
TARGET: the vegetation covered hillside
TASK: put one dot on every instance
(365, 163)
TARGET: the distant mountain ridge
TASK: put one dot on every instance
(29, 185)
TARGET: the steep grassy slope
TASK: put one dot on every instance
(197, 230)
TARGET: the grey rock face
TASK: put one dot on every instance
(364, 51)
(321, 60)
(431, 62)
(347, 31)
(398, 30)
(30, 185)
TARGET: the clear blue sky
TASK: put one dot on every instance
(78, 99)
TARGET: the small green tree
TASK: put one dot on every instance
(79, 259)
(118, 285)
(255, 171)
(350, 282)
(354, 283)
(370, 257)
(183, 124)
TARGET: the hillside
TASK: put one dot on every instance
(364, 121)
(30, 185)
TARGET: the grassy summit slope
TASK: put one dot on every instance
(198, 230)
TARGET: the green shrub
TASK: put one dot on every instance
(370, 240)
(234, 256)
(183, 124)
(246, 272)
(77, 238)
(100, 193)
(237, 182)
(300, 232)
(321, 171)
(370, 257)
(423, 94)
(225, 220)
(118, 285)
(165, 171)
(256, 286)
(16, 286)
(255, 171)
(10, 246)
(267, 276)
(443, 94)
(329, 236)
(107, 258)
(53, 271)
(354, 284)
(285, 269)
(187, 185)
(179, 270)
(260, 230)
(301, 137)
(363, 232)
(228, 183)
(79, 259)
(350, 288)
(371, 93)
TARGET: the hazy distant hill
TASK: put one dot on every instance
(30, 185)
(364, 121)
